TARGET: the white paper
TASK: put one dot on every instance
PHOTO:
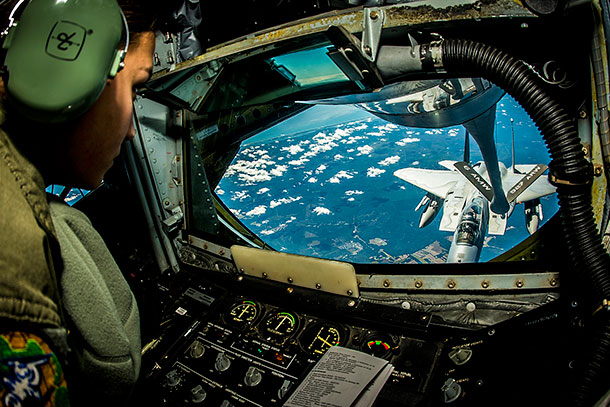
(369, 394)
(340, 378)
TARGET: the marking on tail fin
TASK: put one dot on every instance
(475, 179)
(525, 182)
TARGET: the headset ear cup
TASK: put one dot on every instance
(59, 56)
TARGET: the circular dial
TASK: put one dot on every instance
(318, 338)
(243, 314)
(378, 345)
(280, 325)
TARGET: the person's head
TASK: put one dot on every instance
(80, 150)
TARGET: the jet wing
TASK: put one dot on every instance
(437, 182)
(525, 187)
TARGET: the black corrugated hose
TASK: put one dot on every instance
(571, 173)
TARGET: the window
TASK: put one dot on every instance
(322, 184)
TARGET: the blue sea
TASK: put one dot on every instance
(322, 184)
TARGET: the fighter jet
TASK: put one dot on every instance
(464, 193)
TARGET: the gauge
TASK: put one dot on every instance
(379, 345)
(318, 338)
(280, 325)
(243, 314)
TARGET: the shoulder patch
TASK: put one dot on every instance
(30, 373)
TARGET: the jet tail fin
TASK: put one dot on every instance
(527, 180)
(475, 179)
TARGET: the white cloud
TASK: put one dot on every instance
(220, 191)
(262, 190)
(298, 162)
(407, 140)
(321, 211)
(453, 132)
(353, 139)
(280, 227)
(282, 201)
(415, 163)
(388, 127)
(259, 210)
(351, 199)
(374, 172)
(341, 133)
(338, 157)
(312, 180)
(320, 169)
(241, 195)
(292, 150)
(362, 126)
(279, 170)
(348, 193)
(364, 150)
(341, 174)
(250, 172)
(389, 161)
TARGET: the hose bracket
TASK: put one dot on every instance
(431, 55)
(604, 306)
(578, 182)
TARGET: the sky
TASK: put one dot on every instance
(331, 167)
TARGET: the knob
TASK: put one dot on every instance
(198, 394)
(197, 350)
(460, 356)
(451, 390)
(253, 377)
(284, 389)
(222, 362)
(172, 378)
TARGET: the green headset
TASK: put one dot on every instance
(60, 54)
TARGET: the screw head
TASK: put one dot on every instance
(419, 284)
(485, 284)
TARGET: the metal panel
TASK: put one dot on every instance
(163, 153)
(410, 14)
(479, 282)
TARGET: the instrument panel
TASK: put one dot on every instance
(242, 350)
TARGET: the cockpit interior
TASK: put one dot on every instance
(421, 181)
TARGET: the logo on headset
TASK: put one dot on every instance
(66, 40)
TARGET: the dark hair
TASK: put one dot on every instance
(142, 15)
